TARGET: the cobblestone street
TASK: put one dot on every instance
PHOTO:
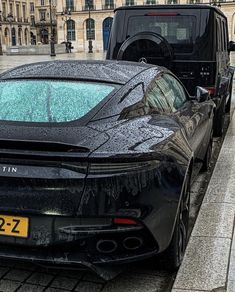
(143, 276)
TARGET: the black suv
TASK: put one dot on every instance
(190, 40)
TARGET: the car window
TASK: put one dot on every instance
(155, 97)
(49, 101)
(173, 91)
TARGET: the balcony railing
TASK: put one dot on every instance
(129, 3)
(154, 2)
(108, 6)
(21, 19)
(86, 7)
(15, 19)
(45, 23)
(69, 8)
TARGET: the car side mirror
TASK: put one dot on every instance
(202, 94)
(231, 46)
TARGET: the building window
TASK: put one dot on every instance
(90, 29)
(42, 2)
(31, 7)
(150, 2)
(13, 37)
(172, 1)
(32, 18)
(11, 8)
(18, 12)
(71, 30)
(130, 2)
(4, 13)
(194, 1)
(70, 5)
(42, 15)
(26, 37)
(24, 12)
(89, 3)
(20, 36)
(109, 4)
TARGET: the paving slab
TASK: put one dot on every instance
(63, 283)
(88, 287)
(42, 279)
(231, 275)
(215, 220)
(8, 285)
(31, 288)
(136, 283)
(231, 286)
(183, 290)
(205, 264)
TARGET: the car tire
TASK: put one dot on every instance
(208, 155)
(172, 257)
(219, 118)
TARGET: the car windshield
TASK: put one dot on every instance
(49, 101)
(178, 30)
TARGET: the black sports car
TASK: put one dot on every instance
(96, 159)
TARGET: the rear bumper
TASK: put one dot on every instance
(107, 267)
(79, 246)
(71, 259)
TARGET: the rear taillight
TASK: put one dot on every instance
(211, 90)
(121, 167)
(124, 221)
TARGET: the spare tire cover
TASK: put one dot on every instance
(148, 47)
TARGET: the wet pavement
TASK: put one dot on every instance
(144, 276)
(8, 62)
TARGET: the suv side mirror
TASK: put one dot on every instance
(231, 46)
(202, 94)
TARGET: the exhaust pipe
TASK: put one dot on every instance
(132, 243)
(106, 246)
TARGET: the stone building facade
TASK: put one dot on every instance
(14, 22)
(25, 22)
(228, 8)
(73, 19)
(41, 21)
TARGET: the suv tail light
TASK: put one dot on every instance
(211, 90)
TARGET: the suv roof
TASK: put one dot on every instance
(171, 6)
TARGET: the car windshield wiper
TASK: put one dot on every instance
(41, 145)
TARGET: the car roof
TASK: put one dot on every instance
(106, 71)
(171, 6)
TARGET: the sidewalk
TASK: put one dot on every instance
(209, 262)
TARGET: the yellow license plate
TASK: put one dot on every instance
(14, 226)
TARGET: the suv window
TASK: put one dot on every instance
(218, 36)
(224, 35)
(178, 30)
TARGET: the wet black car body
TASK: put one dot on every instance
(191, 40)
(106, 188)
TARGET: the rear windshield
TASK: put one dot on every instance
(48, 101)
(178, 30)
